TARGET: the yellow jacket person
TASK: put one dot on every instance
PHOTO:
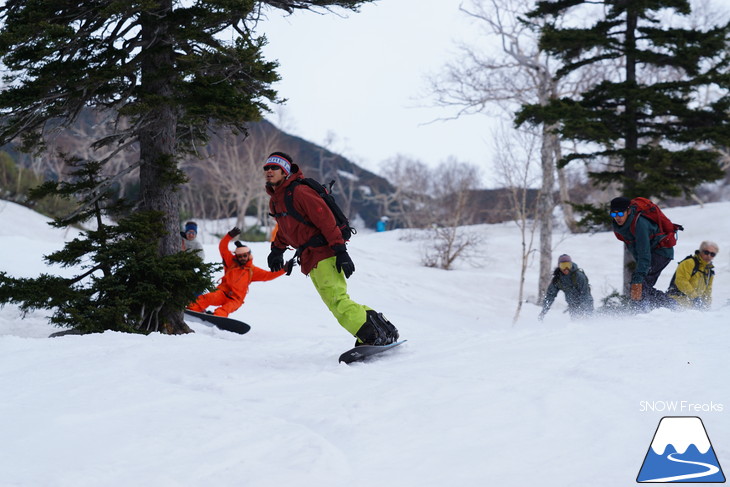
(691, 285)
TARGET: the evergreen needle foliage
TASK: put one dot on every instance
(125, 283)
(168, 72)
(658, 110)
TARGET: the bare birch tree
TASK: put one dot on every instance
(409, 205)
(230, 183)
(517, 164)
(450, 237)
(517, 72)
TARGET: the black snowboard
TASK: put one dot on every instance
(364, 351)
(227, 324)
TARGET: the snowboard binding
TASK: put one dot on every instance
(376, 330)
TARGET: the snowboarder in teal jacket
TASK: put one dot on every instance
(642, 237)
(570, 279)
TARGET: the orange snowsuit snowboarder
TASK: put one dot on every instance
(239, 272)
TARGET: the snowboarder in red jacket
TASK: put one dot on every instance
(321, 251)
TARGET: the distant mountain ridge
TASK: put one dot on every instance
(492, 206)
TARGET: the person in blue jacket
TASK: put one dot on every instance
(382, 224)
(642, 241)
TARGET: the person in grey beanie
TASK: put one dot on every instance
(570, 279)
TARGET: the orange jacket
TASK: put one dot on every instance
(236, 277)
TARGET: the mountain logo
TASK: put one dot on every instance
(680, 452)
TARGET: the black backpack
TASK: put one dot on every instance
(325, 192)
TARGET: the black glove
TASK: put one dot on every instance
(182, 234)
(290, 266)
(234, 232)
(343, 263)
(276, 259)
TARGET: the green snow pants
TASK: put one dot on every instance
(332, 288)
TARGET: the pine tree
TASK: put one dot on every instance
(168, 70)
(125, 284)
(647, 119)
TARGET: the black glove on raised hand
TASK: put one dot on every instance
(343, 261)
(234, 232)
(276, 259)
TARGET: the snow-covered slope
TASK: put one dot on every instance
(470, 400)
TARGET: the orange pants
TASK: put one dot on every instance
(216, 298)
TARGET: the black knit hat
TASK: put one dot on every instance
(621, 203)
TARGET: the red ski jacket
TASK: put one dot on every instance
(293, 233)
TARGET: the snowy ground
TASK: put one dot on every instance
(470, 400)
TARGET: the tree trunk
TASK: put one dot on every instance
(546, 203)
(157, 140)
(523, 270)
(564, 197)
(628, 270)
(631, 171)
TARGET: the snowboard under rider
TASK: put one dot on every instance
(570, 279)
(239, 272)
(321, 251)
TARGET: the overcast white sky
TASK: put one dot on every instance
(363, 79)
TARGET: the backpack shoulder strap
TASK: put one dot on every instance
(672, 283)
(289, 204)
(317, 240)
(637, 214)
(575, 276)
(640, 214)
(697, 265)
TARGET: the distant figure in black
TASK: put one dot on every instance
(570, 279)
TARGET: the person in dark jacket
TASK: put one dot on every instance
(642, 241)
(570, 279)
(321, 251)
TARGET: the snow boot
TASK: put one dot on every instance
(376, 330)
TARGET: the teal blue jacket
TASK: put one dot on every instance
(641, 245)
